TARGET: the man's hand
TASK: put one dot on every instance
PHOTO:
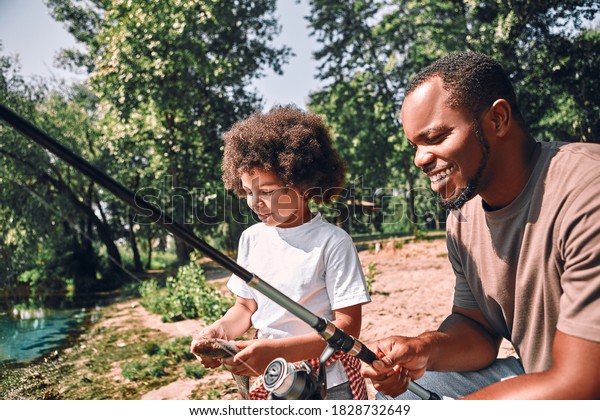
(401, 359)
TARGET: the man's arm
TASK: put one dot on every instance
(464, 341)
(574, 374)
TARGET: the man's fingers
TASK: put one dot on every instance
(394, 384)
(379, 365)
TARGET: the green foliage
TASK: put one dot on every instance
(168, 77)
(213, 394)
(145, 369)
(176, 350)
(53, 221)
(159, 357)
(151, 348)
(186, 296)
(171, 77)
(370, 274)
(370, 49)
(195, 371)
(419, 234)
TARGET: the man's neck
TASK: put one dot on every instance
(512, 176)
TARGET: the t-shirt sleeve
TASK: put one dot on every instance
(463, 296)
(579, 238)
(344, 277)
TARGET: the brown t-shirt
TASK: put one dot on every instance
(534, 266)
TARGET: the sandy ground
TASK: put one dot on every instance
(412, 293)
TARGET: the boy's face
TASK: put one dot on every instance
(274, 203)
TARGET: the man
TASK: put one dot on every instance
(523, 239)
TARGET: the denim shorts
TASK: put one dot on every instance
(340, 392)
(459, 384)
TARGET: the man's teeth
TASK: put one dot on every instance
(439, 176)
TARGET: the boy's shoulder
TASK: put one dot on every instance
(326, 228)
(253, 230)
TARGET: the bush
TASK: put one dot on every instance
(145, 369)
(370, 274)
(195, 371)
(186, 296)
(177, 350)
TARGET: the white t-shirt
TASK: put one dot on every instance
(314, 264)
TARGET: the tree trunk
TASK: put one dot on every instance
(182, 249)
(149, 259)
(137, 261)
(412, 212)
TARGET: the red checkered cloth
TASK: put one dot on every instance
(351, 364)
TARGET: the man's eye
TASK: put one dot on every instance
(436, 139)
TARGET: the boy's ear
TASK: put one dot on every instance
(501, 116)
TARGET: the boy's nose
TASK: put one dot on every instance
(255, 201)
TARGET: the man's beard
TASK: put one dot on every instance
(470, 190)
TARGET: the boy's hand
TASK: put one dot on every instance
(253, 358)
(213, 331)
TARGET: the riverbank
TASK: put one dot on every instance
(131, 354)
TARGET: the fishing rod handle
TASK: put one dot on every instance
(367, 356)
(340, 340)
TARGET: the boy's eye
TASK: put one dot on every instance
(267, 193)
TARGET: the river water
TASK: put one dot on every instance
(28, 334)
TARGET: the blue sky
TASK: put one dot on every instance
(27, 29)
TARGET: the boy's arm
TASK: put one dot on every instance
(234, 323)
(255, 355)
(236, 320)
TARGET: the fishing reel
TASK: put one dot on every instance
(285, 381)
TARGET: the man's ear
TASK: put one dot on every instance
(500, 115)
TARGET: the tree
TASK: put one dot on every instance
(372, 48)
(53, 223)
(172, 76)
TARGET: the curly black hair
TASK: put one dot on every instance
(293, 144)
(473, 80)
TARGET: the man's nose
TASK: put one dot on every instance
(423, 157)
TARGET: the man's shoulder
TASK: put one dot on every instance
(576, 153)
(574, 164)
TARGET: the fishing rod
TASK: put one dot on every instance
(336, 338)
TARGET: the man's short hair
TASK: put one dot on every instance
(473, 80)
